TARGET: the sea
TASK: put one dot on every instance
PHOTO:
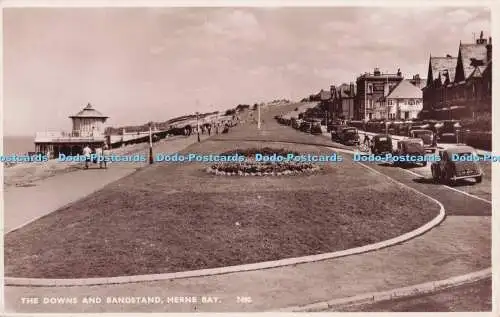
(18, 144)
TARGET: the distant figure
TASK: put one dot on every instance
(366, 139)
(209, 129)
(87, 151)
(105, 153)
(99, 156)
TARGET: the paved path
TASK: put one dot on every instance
(460, 245)
(25, 204)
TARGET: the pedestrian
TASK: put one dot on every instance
(105, 155)
(209, 129)
(366, 139)
(98, 156)
(87, 151)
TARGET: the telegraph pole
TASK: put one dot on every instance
(150, 143)
(198, 125)
(258, 116)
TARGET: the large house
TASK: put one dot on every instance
(343, 101)
(370, 87)
(403, 102)
(459, 87)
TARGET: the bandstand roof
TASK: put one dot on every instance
(89, 112)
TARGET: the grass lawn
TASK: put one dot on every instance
(177, 217)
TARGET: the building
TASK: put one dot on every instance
(88, 129)
(460, 87)
(369, 89)
(403, 102)
(343, 101)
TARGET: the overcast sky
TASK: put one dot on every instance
(142, 64)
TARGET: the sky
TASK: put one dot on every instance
(141, 64)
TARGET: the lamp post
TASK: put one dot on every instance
(198, 125)
(150, 143)
(457, 127)
(258, 116)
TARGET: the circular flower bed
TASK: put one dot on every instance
(250, 167)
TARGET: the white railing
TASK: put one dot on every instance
(66, 137)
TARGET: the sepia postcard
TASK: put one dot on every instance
(238, 157)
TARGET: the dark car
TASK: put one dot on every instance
(413, 147)
(334, 131)
(381, 144)
(348, 136)
(427, 136)
(449, 169)
(316, 128)
(306, 126)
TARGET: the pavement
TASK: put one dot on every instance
(25, 204)
(459, 245)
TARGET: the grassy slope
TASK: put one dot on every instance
(170, 218)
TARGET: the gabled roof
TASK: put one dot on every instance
(405, 89)
(468, 54)
(441, 65)
(89, 112)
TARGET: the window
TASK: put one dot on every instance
(389, 102)
(410, 102)
(417, 102)
(370, 88)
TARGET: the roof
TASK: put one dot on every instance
(442, 65)
(410, 140)
(344, 91)
(89, 112)
(325, 94)
(405, 90)
(469, 52)
(460, 149)
(420, 83)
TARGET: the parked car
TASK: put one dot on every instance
(381, 144)
(427, 136)
(306, 126)
(296, 123)
(334, 131)
(348, 136)
(448, 170)
(316, 128)
(410, 146)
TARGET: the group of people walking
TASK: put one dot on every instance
(207, 129)
(98, 157)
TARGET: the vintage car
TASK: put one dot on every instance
(316, 127)
(448, 170)
(334, 131)
(427, 136)
(348, 136)
(410, 146)
(296, 123)
(306, 126)
(381, 144)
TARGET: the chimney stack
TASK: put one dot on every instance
(351, 89)
(488, 50)
(399, 72)
(448, 56)
(376, 71)
(481, 40)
